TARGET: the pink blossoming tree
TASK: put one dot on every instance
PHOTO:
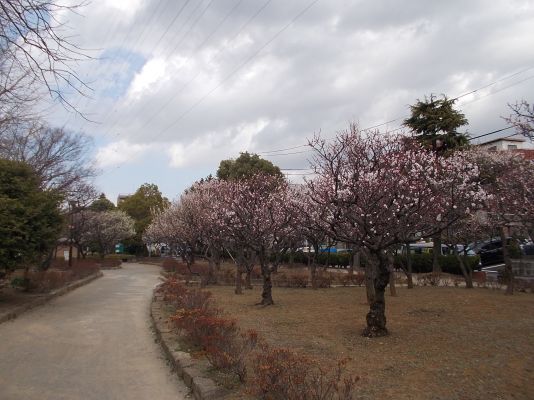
(379, 189)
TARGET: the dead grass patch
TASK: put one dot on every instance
(445, 342)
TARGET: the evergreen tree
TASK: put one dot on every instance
(435, 123)
(102, 204)
(30, 221)
(245, 166)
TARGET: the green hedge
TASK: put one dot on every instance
(422, 263)
(334, 259)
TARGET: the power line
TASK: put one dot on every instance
(490, 133)
(287, 148)
(179, 91)
(493, 83)
(240, 66)
(458, 97)
(160, 39)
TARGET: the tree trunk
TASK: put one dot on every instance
(267, 292)
(391, 266)
(508, 271)
(313, 275)
(369, 279)
(466, 272)
(376, 318)
(238, 280)
(436, 252)
(409, 268)
(248, 280)
(354, 262)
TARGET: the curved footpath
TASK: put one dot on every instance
(93, 343)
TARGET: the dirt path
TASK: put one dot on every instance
(93, 343)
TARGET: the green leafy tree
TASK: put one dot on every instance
(435, 123)
(246, 166)
(102, 204)
(142, 206)
(30, 220)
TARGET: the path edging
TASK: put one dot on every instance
(46, 298)
(187, 368)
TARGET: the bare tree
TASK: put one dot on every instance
(522, 118)
(36, 49)
(59, 157)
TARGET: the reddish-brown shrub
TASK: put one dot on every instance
(171, 265)
(357, 279)
(226, 347)
(60, 274)
(45, 281)
(282, 374)
(298, 280)
(84, 268)
(173, 292)
(280, 279)
(323, 280)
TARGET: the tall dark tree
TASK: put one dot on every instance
(246, 166)
(30, 221)
(142, 206)
(435, 123)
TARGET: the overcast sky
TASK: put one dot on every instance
(179, 85)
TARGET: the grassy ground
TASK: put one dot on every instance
(445, 343)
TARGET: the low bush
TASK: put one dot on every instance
(58, 275)
(226, 347)
(324, 280)
(282, 374)
(357, 279)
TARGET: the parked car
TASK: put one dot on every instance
(528, 249)
(490, 252)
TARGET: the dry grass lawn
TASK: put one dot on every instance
(445, 343)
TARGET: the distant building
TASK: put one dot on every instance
(121, 198)
(509, 143)
(517, 144)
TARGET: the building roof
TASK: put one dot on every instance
(510, 139)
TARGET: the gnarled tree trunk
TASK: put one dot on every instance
(267, 292)
(376, 317)
(370, 269)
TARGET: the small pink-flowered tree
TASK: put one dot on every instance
(258, 215)
(378, 190)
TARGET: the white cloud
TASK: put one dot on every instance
(118, 153)
(149, 78)
(128, 7)
(215, 146)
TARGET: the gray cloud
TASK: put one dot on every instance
(341, 61)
